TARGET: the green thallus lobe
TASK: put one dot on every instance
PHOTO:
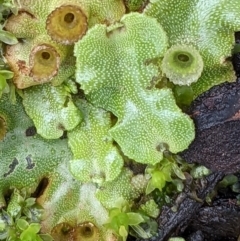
(208, 27)
(119, 59)
(146, 118)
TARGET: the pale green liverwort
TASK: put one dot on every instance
(121, 83)
(53, 112)
(27, 159)
(97, 160)
(208, 26)
(121, 61)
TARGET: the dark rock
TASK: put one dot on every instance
(218, 222)
(196, 236)
(216, 115)
(174, 223)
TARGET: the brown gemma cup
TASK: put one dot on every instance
(62, 232)
(66, 24)
(85, 231)
(44, 63)
(3, 128)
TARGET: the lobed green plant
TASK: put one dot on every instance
(97, 120)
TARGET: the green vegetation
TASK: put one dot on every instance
(7, 38)
(93, 130)
(21, 220)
